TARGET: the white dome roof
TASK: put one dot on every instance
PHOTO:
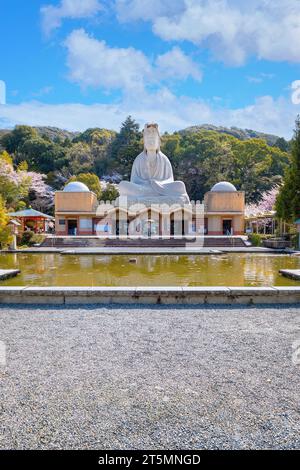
(76, 187)
(223, 187)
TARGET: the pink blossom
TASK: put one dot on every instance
(41, 194)
(265, 206)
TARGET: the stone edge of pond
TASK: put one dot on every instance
(8, 273)
(119, 251)
(150, 295)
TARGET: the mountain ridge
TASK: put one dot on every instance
(239, 133)
(242, 134)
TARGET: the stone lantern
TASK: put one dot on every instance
(14, 230)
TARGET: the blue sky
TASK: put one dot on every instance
(78, 64)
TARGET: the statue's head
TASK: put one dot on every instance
(151, 137)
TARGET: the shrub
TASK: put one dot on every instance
(26, 237)
(255, 239)
(37, 238)
(30, 238)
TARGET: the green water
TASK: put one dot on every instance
(232, 269)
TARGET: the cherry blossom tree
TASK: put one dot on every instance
(266, 204)
(29, 186)
(41, 195)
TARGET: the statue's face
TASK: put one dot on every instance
(151, 139)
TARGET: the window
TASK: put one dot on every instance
(86, 224)
(62, 222)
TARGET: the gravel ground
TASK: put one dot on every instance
(149, 378)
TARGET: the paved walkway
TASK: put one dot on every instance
(150, 378)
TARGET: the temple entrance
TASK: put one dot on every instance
(150, 228)
(72, 226)
(122, 227)
(227, 227)
(176, 227)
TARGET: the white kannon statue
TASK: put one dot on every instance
(152, 175)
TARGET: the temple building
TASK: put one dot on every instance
(151, 204)
(77, 212)
(224, 209)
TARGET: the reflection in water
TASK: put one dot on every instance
(233, 269)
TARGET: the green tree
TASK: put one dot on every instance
(170, 146)
(100, 141)
(13, 141)
(5, 235)
(202, 158)
(4, 156)
(288, 200)
(80, 158)
(282, 144)
(258, 167)
(126, 146)
(91, 180)
(42, 155)
(95, 136)
(110, 193)
(38, 154)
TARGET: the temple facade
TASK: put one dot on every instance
(78, 213)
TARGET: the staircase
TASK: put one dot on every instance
(148, 242)
(223, 242)
(94, 242)
(71, 242)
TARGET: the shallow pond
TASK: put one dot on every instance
(232, 269)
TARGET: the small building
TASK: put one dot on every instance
(77, 212)
(30, 219)
(224, 210)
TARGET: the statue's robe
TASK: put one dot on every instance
(153, 177)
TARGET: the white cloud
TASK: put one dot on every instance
(176, 64)
(131, 10)
(52, 16)
(266, 114)
(2, 92)
(232, 29)
(254, 79)
(43, 91)
(260, 77)
(295, 86)
(94, 63)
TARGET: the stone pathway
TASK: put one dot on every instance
(150, 378)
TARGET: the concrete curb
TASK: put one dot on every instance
(150, 295)
(148, 250)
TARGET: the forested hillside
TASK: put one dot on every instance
(200, 155)
(242, 134)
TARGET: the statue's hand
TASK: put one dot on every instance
(157, 186)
